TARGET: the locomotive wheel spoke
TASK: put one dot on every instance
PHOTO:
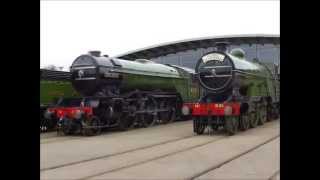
(94, 121)
(126, 123)
(231, 124)
(253, 120)
(214, 127)
(150, 118)
(172, 116)
(198, 126)
(164, 117)
(270, 113)
(131, 122)
(244, 122)
(138, 119)
(66, 127)
(262, 115)
(168, 116)
(275, 112)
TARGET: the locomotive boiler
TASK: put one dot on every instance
(238, 94)
(125, 94)
(95, 75)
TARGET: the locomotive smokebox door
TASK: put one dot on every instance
(215, 71)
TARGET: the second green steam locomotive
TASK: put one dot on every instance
(238, 93)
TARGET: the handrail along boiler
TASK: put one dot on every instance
(238, 94)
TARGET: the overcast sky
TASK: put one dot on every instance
(69, 29)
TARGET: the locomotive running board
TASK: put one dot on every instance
(161, 96)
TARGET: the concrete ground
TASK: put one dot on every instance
(262, 163)
(57, 153)
(170, 151)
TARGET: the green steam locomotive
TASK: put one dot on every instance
(238, 94)
(123, 93)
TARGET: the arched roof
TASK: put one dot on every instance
(204, 42)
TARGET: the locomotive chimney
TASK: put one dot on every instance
(95, 53)
(222, 46)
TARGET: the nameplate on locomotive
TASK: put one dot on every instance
(111, 75)
(213, 57)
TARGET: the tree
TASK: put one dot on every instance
(53, 68)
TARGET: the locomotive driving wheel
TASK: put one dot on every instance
(253, 121)
(126, 123)
(198, 126)
(275, 112)
(231, 124)
(270, 113)
(66, 127)
(149, 119)
(262, 115)
(93, 127)
(173, 114)
(244, 121)
(168, 116)
(163, 115)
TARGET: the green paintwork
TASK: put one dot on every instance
(50, 90)
(257, 77)
(147, 68)
(180, 85)
(140, 74)
(148, 75)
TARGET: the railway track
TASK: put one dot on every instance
(155, 158)
(129, 152)
(158, 151)
(51, 137)
(193, 162)
(116, 154)
(232, 158)
(52, 148)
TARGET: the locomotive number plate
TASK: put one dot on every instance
(213, 57)
(219, 105)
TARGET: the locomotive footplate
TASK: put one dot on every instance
(215, 109)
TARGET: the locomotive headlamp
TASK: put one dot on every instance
(228, 110)
(78, 114)
(185, 110)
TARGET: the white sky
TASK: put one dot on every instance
(71, 28)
